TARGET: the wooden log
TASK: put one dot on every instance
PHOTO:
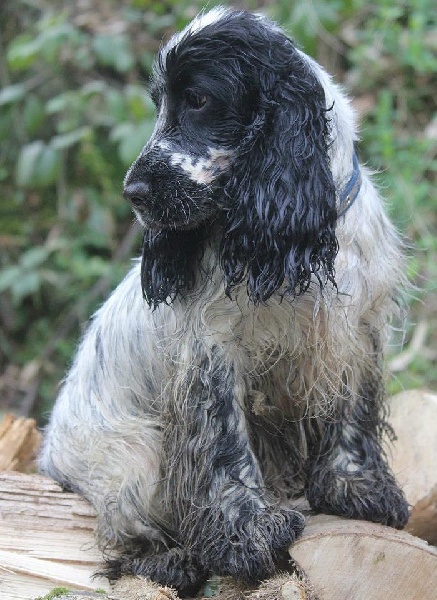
(423, 519)
(356, 560)
(47, 540)
(19, 443)
(413, 457)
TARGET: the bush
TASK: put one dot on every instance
(74, 114)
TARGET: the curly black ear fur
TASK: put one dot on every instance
(281, 224)
(170, 260)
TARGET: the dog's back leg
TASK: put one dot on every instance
(349, 474)
(115, 466)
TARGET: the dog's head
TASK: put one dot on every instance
(241, 146)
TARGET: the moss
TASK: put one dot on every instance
(54, 593)
(60, 591)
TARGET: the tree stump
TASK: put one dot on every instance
(356, 560)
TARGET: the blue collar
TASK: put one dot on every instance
(351, 190)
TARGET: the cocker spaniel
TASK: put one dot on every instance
(239, 363)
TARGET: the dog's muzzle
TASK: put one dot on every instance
(166, 190)
(137, 193)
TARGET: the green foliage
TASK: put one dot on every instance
(72, 118)
(308, 21)
(55, 593)
(74, 113)
(395, 60)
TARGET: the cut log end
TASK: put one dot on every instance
(19, 444)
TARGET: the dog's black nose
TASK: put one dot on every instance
(137, 192)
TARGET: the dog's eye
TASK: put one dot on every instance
(195, 100)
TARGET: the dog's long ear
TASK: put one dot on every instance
(170, 261)
(280, 228)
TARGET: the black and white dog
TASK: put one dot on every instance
(238, 364)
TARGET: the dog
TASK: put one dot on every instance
(239, 363)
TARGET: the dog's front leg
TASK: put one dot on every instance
(211, 497)
(214, 487)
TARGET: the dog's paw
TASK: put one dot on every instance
(252, 548)
(370, 495)
(175, 568)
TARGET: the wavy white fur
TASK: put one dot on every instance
(188, 424)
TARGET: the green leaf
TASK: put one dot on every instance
(93, 87)
(70, 107)
(114, 51)
(58, 103)
(25, 285)
(66, 140)
(34, 114)
(121, 131)
(23, 52)
(12, 93)
(132, 144)
(47, 167)
(38, 165)
(26, 162)
(132, 137)
(34, 257)
(116, 105)
(54, 38)
(101, 222)
(7, 277)
(137, 102)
